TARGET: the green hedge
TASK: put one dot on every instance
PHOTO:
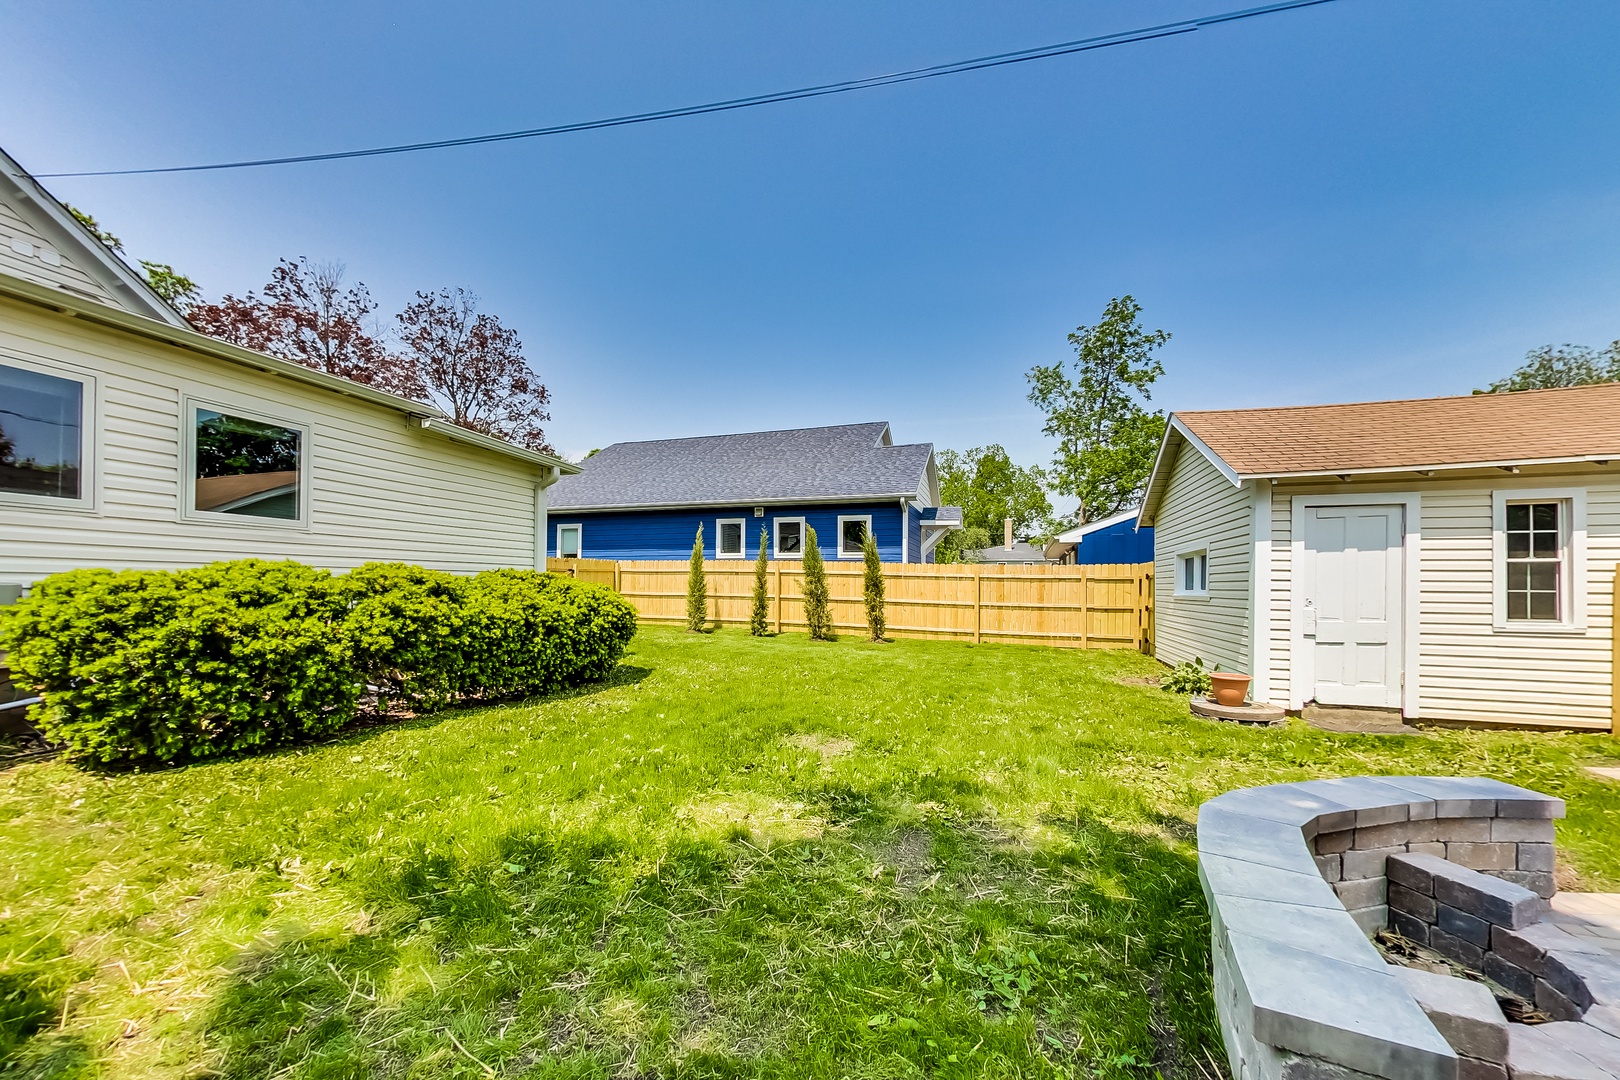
(169, 665)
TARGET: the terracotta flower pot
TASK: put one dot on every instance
(1229, 687)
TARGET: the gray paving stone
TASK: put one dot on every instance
(1356, 1016)
(1535, 1052)
(1375, 803)
(1468, 830)
(1255, 840)
(1354, 865)
(1470, 928)
(1409, 926)
(1455, 948)
(1225, 876)
(1489, 898)
(1528, 946)
(1304, 1067)
(1598, 971)
(1412, 903)
(1554, 1004)
(1368, 892)
(1320, 930)
(1535, 857)
(1437, 849)
(1451, 796)
(1540, 882)
(1391, 835)
(1511, 977)
(1328, 843)
(1488, 856)
(1475, 1069)
(1329, 867)
(1415, 871)
(1606, 1018)
(1598, 1048)
(1289, 804)
(1371, 919)
(1523, 830)
(1465, 1012)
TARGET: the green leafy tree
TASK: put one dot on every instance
(817, 608)
(1107, 438)
(178, 290)
(963, 545)
(759, 619)
(697, 589)
(1553, 367)
(872, 588)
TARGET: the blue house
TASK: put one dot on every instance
(645, 500)
(1114, 539)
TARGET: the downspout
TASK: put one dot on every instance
(552, 475)
(905, 530)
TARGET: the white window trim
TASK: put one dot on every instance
(857, 553)
(1302, 660)
(188, 467)
(1573, 602)
(89, 427)
(1186, 552)
(579, 546)
(742, 528)
(776, 538)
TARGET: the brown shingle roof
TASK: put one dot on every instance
(1484, 429)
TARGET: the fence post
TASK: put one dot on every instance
(978, 602)
(617, 585)
(1085, 607)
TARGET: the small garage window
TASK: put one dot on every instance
(1540, 539)
(728, 535)
(1192, 573)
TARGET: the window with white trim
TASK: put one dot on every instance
(852, 530)
(789, 543)
(1536, 562)
(1539, 567)
(246, 467)
(42, 435)
(1192, 573)
(728, 538)
(570, 538)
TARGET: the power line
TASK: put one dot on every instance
(1044, 52)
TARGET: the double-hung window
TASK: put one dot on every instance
(1192, 573)
(728, 539)
(1540, 559)
(43, 436)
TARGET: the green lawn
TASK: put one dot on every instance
(750, 858)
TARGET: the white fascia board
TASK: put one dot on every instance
(1076, 534)
(451, 430)
(1322, 474)
(836, 500)
(1164, 460)
(1225, 470)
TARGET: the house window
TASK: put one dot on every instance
(852, 535)
(1536, 561)
(41, 434)
(728, 538)
(789, 538)
(246, 467)
(1192, 573)
(568, 541)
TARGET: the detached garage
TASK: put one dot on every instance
(1450, 558)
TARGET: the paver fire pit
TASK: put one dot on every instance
(1299, 876)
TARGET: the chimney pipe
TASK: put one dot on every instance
(1006, 528)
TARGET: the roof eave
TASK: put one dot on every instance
(1163, 462)
(826, 500)
(1387, 470)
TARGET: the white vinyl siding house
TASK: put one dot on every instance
(1205, 516)
(1479, 594)
(102, 468)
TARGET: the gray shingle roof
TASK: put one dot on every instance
(848, 461)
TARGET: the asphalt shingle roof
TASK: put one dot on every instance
(802, 464)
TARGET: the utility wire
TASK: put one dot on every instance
(1044, 52)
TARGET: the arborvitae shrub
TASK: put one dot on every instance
(872, 588)
(759, 619)
(697, 589)
(817, 610)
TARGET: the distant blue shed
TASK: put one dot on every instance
(645, 500)
(1114, 539)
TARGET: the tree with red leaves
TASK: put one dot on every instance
(308, 317)
(473, 368)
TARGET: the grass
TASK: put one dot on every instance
(741, 857)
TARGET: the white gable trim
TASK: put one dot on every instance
(41, 210)
(1164, 461)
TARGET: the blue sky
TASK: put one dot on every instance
(1371, 198)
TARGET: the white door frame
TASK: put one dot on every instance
(1302, 666)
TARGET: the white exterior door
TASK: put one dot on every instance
(1352, 581)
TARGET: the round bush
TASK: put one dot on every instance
(527, 633)
(191, 663)
(403, 629)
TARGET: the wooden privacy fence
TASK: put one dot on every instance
(1077, 607)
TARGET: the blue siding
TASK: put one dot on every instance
(667, 534)
(1121, 543)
